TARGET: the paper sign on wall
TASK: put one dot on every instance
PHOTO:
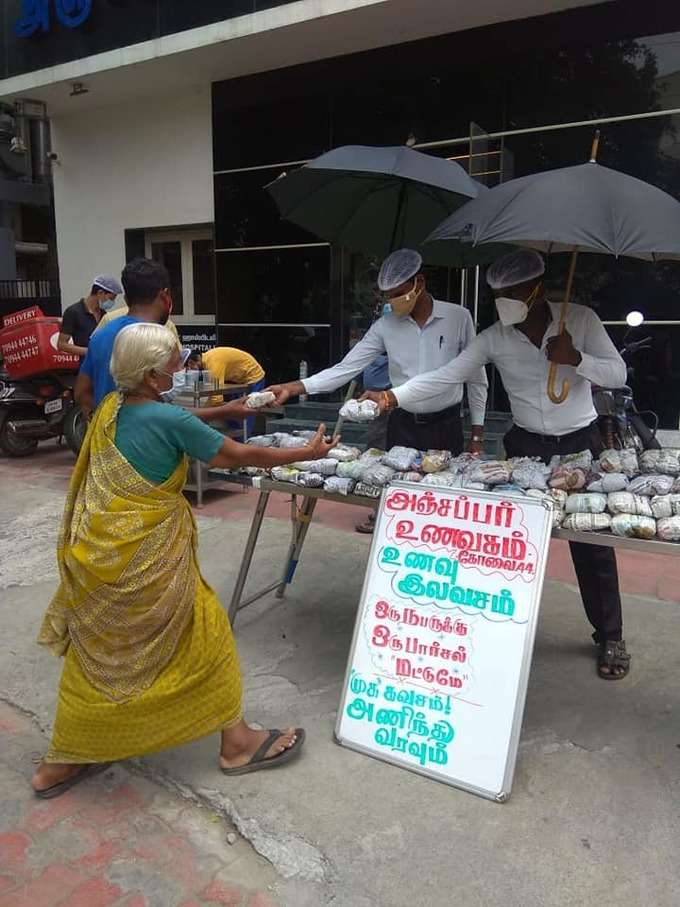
(437, 673)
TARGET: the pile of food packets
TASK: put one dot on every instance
(629, 495)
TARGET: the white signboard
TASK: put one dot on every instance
(438, 670)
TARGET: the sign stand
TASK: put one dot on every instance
(438, 669)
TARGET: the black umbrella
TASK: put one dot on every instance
(587, 208)
(374, 200)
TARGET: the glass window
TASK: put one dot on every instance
(202, 251)
(285, 286)
(280, 350)
(170, 255)
(247, 215)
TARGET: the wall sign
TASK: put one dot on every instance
(198, 337)
(36, 15)
(437, 673)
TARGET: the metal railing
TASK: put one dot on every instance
(22, 294)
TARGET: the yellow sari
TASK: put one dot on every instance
(150, 660)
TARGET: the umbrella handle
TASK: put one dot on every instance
(552, 372)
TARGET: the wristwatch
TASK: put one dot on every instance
(477, 439)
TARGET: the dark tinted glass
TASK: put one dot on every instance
(280, 350)
(202, 252)
(247, 215)
(285, 286)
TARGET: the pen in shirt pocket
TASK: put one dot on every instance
(441, 340)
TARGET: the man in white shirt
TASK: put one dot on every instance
(419, 333)
(522, 344)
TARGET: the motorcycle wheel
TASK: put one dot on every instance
(14, 445)
(74, 428)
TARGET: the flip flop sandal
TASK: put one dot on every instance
(366, 528)
(613, 654)
(89, 771)
(258, 760)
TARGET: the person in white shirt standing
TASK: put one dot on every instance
(418, 334)
(522, 344)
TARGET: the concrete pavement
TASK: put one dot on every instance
(594, 817)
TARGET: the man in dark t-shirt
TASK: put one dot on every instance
(79, 320)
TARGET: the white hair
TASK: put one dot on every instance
(140, 348)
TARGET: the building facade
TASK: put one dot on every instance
(167, 120)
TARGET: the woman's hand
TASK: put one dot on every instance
(318, 448)
(236, 409)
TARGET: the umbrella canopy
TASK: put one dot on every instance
(587, 208)
(375, 200)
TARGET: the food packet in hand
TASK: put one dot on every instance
(258, 399)
(354, 411)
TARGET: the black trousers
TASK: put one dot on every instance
(595, 565)
(444, 432)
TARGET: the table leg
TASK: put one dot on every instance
(301, 518)
(248, 555)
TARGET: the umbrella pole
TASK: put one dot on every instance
(552, 372)
(397, 217)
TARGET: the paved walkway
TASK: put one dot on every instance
(118, 840)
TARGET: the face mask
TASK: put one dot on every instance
(403, 305)
(387, 309)
(107, 304)
(178, 385)
(515, 311)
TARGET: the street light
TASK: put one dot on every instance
(634, 319)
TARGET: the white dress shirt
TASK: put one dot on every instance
(412, 350)
(524, 369)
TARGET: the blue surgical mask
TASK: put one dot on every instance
(387, 309)
(107, 304)
(178, 385)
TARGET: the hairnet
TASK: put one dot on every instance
(108, 283)
(515, 268)
(399, 267)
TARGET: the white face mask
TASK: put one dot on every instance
(178, 385)
(515, 311)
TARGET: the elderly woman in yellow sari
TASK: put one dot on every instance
(149, 657)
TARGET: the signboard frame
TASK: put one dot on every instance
(527, 653)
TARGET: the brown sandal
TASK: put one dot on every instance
(613, 655)
(258, 760)
(88, 771)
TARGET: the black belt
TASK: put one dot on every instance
(558, 439)
(451, 412)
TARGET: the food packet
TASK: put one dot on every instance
(446, 479)
(586, 503)
(262, 441)
(582, 460)
(651, 484)
(512, 489)
(285, 474)
(606, 482)
(633, 526)
(367, 491)
(632, 504)
(354, 469)
(489, 472)
(344, 454)
(354, 411)
(531, 474)
(378, 474)
(324, 467)
(258, 399)
(400, 459)
(624, 461)
(372, 455)
(412, 477)
(665, 505)
(289, 442)
(253, 471)
(310, 480)
(587, 522)
(568, 478)
(664, 461)
(334, 485)
(436, 460)
(668, 529)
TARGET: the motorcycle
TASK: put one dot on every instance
(37, 408)
(621, 423)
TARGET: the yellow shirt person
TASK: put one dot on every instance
(123, 310)
(232, 366)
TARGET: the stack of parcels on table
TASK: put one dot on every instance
(630, 495)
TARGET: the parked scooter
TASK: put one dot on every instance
(35, 409)
(621, 424)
